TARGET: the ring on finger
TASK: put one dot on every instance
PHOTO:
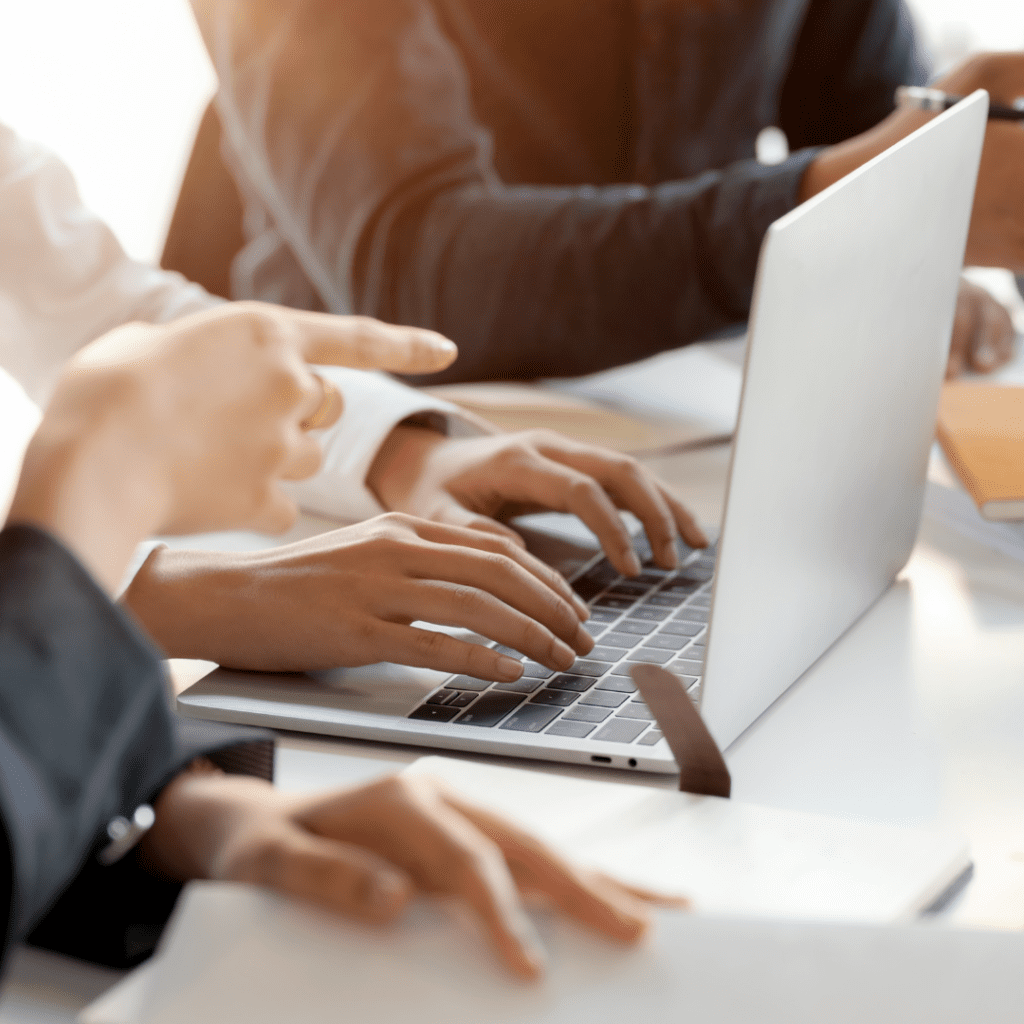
(327, 411)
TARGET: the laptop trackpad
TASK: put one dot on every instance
(381, 689)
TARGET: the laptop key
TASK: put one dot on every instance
(617, 639)
(620, 684)
(622, 603)
(649, 614)
(652, 657)
(441, 697)
(628, 588)
(635, 626)
(620, 731)
(462, 699)
(555, 698)
(577, 730)
(568, 682)
(522, 685)
(690, 614)
(606, 654)
(603, 699)
(650, 738)
(533, 670)
(510, 651)
(433, 713)
(588, 668)
(662, 600)
(595, 629)
(603, 615)
(683, 628)
(688, 667)
(586, 714)
(530, 718)
(668, 642)
(622, 669)
(490, 709)
(467, 683)
(634, 710)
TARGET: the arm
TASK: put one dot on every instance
(395, 208)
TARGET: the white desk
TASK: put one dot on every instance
(916, 716)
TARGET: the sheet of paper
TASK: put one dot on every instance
(953, 507)
(238, 955)
(728, 857)
(19, 418)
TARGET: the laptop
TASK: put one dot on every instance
(848, 340)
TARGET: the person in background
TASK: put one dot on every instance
(558, 187)
(350, 596)
(185, 427)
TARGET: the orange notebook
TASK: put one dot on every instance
(981, 430)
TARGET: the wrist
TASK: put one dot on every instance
(84, 489)
(398, 465)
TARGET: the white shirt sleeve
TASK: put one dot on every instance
(65, 280)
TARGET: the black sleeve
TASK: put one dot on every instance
(353, 127)
(86, 734)
(849, 58)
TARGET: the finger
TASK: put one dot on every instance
(304, 457)
(487, 540)
(688, 527)
(632, 488)
(563, 489)
(367, 344)
(453, 513)
(427, 648)
(328, 408)
(344, 879)
(592, 899)
(467, 607)
(993, 343)
(675, 901)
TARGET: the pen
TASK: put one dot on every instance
(916, 97)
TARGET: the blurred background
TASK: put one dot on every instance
(117, 87)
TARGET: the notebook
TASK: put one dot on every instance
(981, 430)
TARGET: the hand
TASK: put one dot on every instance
(476, 481)
(348, 598)
(996, 237)
(982, 332)
(364, 853)
(188, 426)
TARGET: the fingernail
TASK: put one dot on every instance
(584, 642)
(581, 608)
(632, 563)
(447, 348)
(669, 554)
(985, 357)
(562, 654)
(531, 945)
(509, 668)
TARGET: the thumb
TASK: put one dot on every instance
(363, 343)
(344, 879)
(452, 512)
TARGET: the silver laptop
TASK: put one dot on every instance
(848, 340)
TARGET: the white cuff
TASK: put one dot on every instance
(374, 405)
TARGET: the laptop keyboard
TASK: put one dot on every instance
(659, 617)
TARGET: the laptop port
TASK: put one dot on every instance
(600, 759)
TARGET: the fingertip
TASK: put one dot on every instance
(389, 893)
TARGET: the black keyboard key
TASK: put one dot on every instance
(635, 626)
(609, 655)
(555, 698)
(667, 641)
(627, 588)
(682, 628)
(577, 730)
(649, 614)
(525, 685)
(586, 714)
(621, 603)
(603, 615)
(463, 698)
(588, 668)
(651, 657)
(620, 731)
(533, 670)
(531, 718)
(620, 684)
(588, 588)
(434, 713)
(467, 683)
(441, 697)
(650, 738)
(664, 600)
(490, 709)
(569, 682)
(624, 640)
(603, 699)
(633, 710)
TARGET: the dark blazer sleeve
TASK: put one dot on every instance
(86, 734)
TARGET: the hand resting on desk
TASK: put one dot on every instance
(366, 852)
